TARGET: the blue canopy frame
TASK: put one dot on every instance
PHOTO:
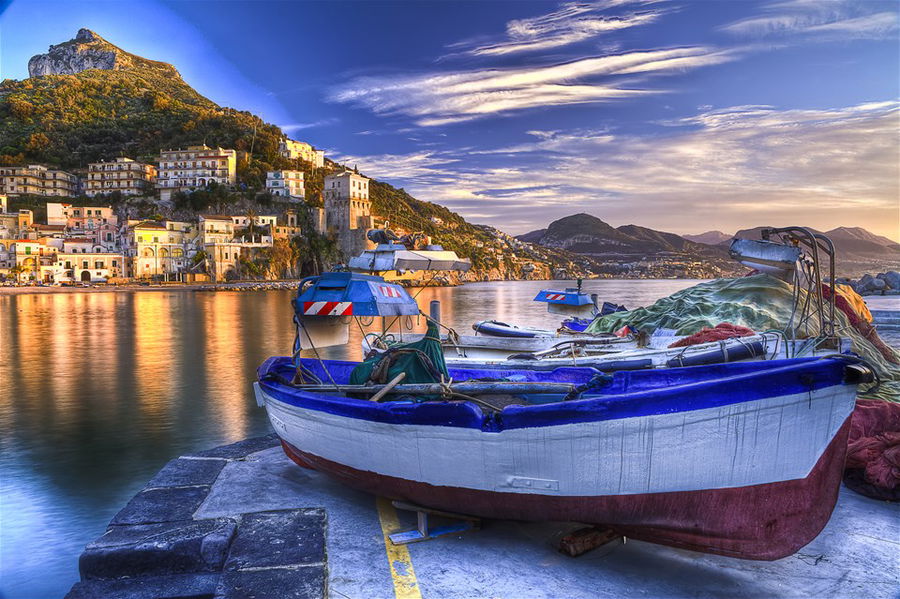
(352, 294)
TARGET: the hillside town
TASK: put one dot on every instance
(91, 244)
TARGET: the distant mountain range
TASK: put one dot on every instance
(586, 234)
(857, 250)
(709, 238)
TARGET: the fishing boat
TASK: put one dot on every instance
(741, 459)
(495, 328)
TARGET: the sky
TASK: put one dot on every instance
(677, 115)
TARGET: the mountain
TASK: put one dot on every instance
(665, 242)
(632, 249)
(90, 51)
(709, 238)
(89, 100)
(587, 234)
(860, 234)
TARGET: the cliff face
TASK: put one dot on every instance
(90, 51)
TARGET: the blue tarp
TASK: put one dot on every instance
(567, 297)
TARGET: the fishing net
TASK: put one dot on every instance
(762, 303)
(422, 361)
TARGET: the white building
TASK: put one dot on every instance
(287, 184)
(194, 168)
(297, 149)
(96, 267)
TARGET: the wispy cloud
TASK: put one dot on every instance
(727, 168)
(803, 20)
(292, 127)
(448, 97)
(571, 23)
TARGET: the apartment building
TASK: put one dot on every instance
(122, 174)
(215, 228)
(297, 149)
(194, 168)
(287, 184)
(36, 179)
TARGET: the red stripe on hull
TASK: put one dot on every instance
(763, 522)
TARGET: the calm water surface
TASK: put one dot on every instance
(99, 390)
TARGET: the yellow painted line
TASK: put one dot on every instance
(406, 586)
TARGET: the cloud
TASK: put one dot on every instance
(729, 169)
(571, 23)
(292, 127)
(818, 21)
(440, 98)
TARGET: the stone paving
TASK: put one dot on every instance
(260, 526)
(158, 547)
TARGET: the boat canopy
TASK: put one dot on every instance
(769, 257)
(394, 256)
(570, 297)
(352, 294)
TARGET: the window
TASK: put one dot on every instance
(98, 264)
(115, 263)
(84, 264)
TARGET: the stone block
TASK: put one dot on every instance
(158, 549)
(184, 586)
(184, 472)
(241, 449)
(304, 582)
(278, 538)
(162, 505)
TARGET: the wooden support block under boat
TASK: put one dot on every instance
(586, 539)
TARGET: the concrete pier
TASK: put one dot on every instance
(244, 521)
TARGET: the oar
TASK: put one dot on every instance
(387, 388)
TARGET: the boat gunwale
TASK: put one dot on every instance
(770, 379)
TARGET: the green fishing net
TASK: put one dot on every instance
(759, 302)
(422, 361)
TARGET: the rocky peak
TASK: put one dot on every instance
(89, 50)
(86, 35)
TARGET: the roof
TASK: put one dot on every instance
(49, 227)
(149, 224)
(222, 217)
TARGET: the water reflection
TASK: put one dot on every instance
(99, 390)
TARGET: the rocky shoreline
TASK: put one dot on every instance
(884, 283)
